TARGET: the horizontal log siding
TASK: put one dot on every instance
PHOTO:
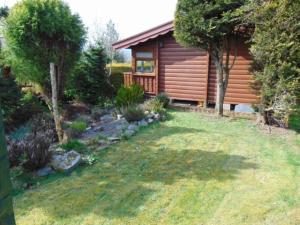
(240, 79)
(182, 71)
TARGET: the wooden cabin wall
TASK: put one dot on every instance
(182, 72)
(189, 74)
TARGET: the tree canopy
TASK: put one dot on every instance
(43, 31)
(205, 24)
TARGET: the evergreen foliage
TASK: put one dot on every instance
(89, 81)
(42, 31)
(276, 51)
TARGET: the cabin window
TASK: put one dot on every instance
(144, 62)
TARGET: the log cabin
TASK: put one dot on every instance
(160, 64)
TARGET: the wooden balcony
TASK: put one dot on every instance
(147, 81)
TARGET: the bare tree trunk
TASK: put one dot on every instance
(55, 109)
(6, 207)
(61, 79)
(223, 69)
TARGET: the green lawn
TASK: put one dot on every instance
(192, 169)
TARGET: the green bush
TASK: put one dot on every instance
(128, 96)
(164, 99)
(154, 105)
(133, 113)
(117, 74)
(10, 96)
(79, 126)
(276, 51)
(74, 145)
(89, 81)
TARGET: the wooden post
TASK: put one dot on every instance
(206, 90)
(156, 67)
(6, 207)
(55, 110)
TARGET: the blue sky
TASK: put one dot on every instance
(130, 16)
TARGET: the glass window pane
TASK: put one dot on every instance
(145, 55)
(144, 66)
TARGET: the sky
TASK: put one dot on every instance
(130, 16)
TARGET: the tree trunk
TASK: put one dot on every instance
(223, 69)
(221, 89)
(55, 109)
(61, 83)
(6, 207)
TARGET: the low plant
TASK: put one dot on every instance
(79, 126)
(32, 151)
(164, 99)
(133, 113)
(74, 145)
(154, 105)
(128, 96)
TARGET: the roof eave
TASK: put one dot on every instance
(144, 36)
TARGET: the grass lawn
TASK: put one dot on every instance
(192, 169)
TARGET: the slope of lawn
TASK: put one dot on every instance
(192, 169)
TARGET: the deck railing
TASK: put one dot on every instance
(147, 81)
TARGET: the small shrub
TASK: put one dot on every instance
(89, 81)
(37, 151)
(133, 113)
(154, 105)
(129, 95)
(79, 126)
(164, 99)
(10, 96)
(74, 145)
(32, 151)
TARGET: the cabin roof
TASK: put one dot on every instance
(144, 36)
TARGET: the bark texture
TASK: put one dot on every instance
(55, 109)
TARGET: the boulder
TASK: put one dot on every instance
(150, 120)
(107, 118)
(65, 162)
(133, 127)
(43, 172)
(129, 133)
(113, 139)
(157, 116)
(142, 123)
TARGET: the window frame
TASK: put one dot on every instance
(136, 59)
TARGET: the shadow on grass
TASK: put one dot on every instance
(126, 177)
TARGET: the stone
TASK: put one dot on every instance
(157, 116)
(142, 123)
(150, 120)
(102, 142)
(114, 139)
(107, 118)
(129, 133)
(133, 127)
(43, 172)
(65, 162)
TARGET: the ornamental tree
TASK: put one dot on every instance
(44, 32)
(210, 25)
